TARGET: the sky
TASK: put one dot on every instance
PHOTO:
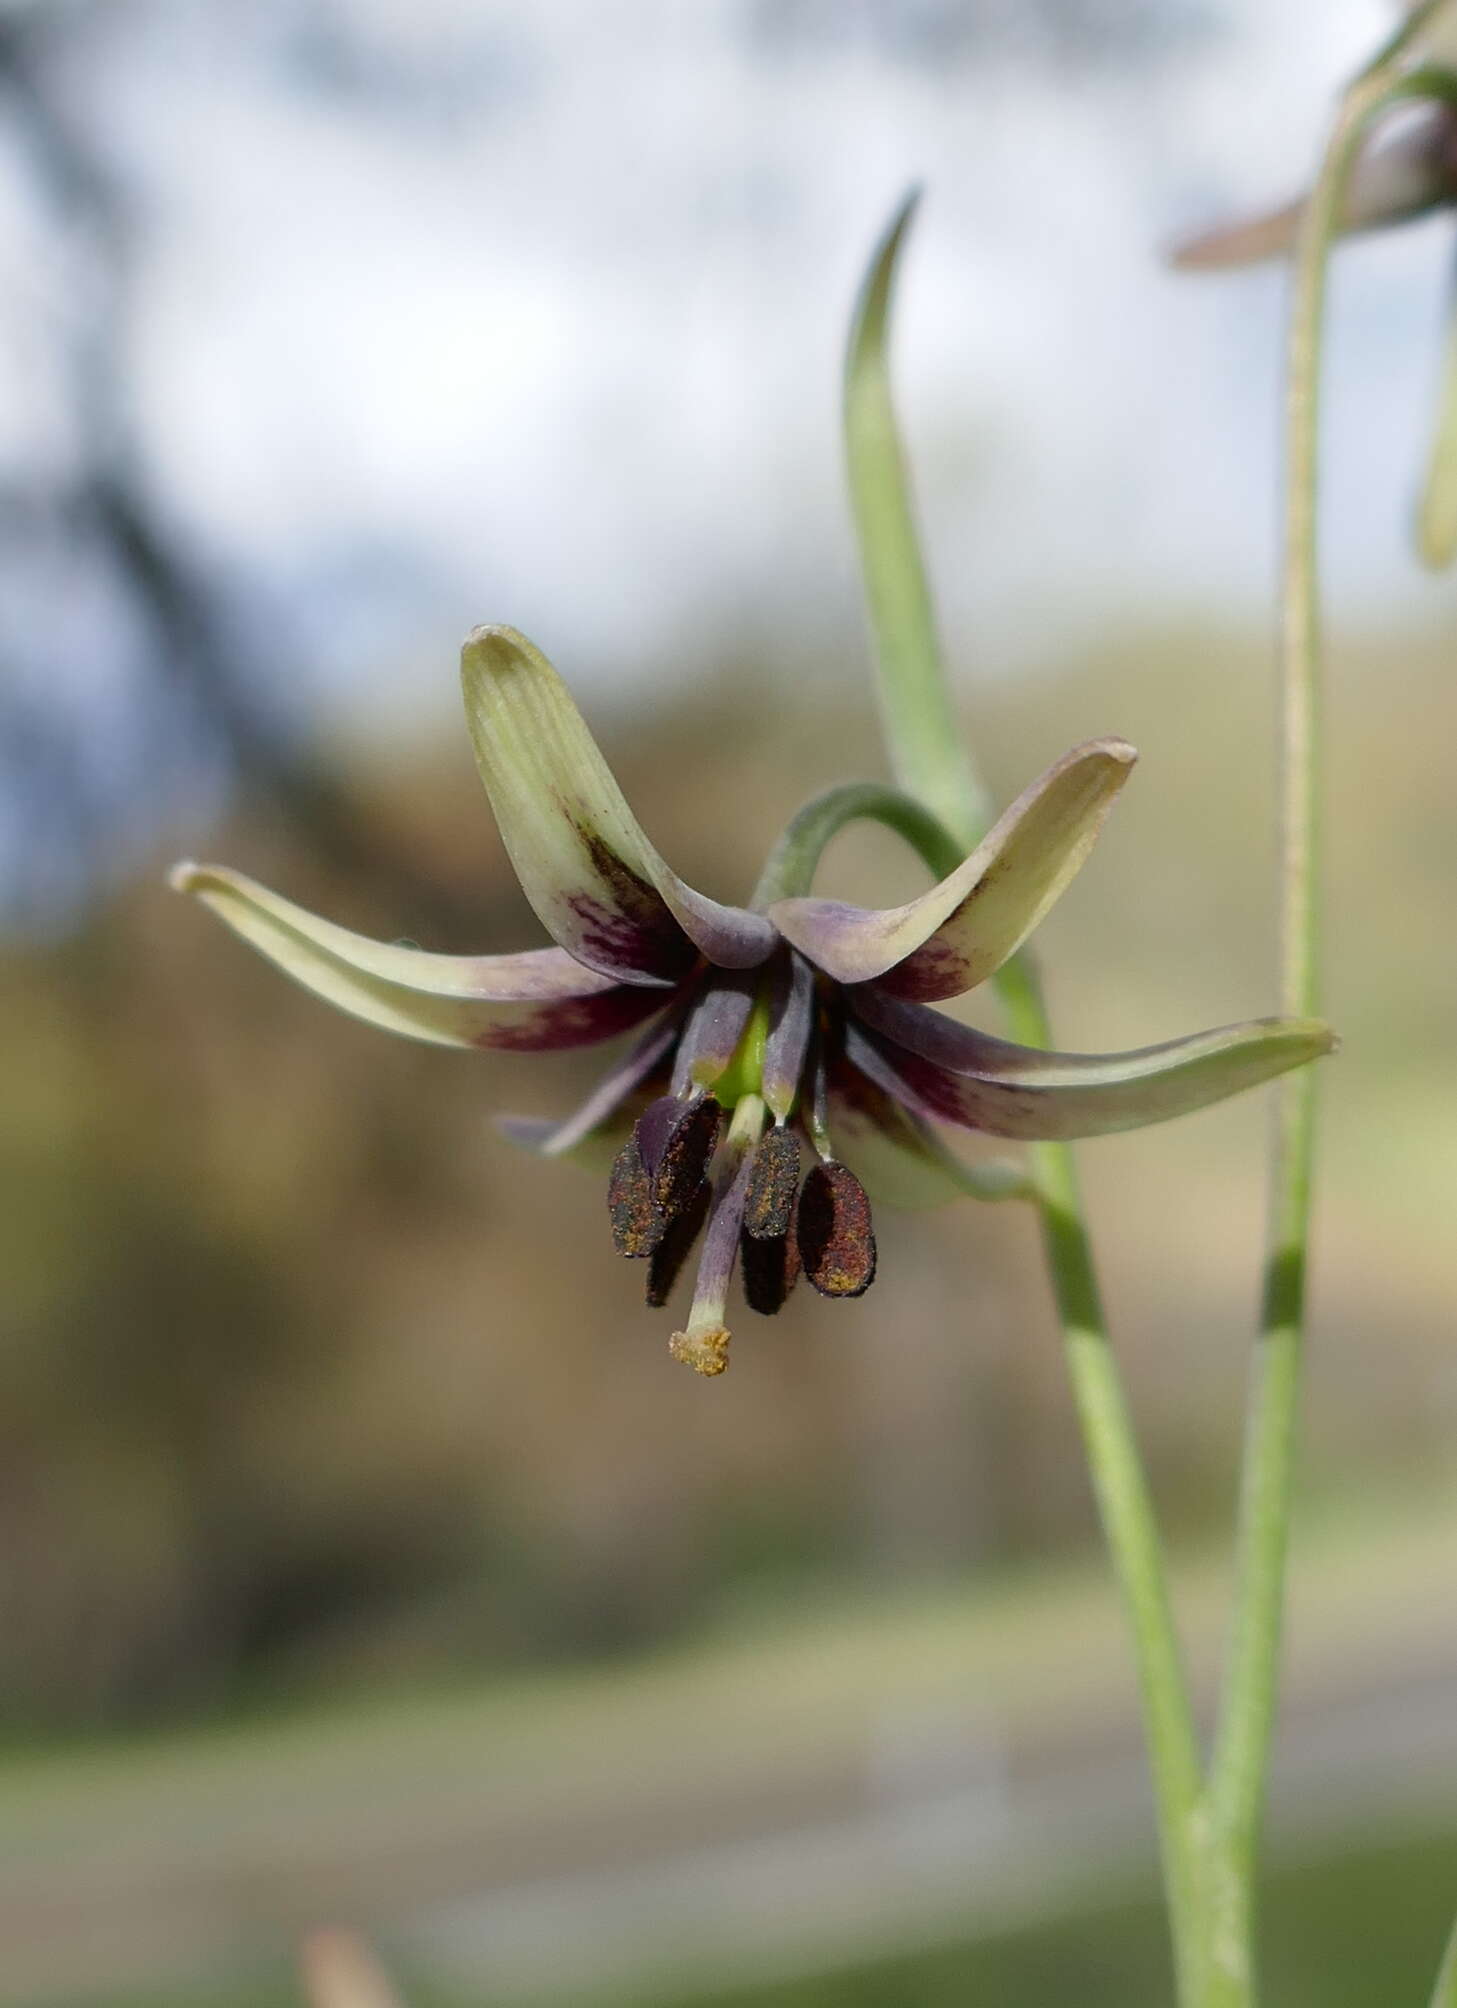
(438, 314)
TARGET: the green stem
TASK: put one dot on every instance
(791, 866)
(1125, 1508)
(1240, 1765)
(930, 762)
(1437, 518)
(1444, 1994)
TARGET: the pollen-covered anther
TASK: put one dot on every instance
(706, 1352)
(685, 1153)
(675, 1245)
(836, 1237)
(770, 1269)
(636, 1224)
(773, 1183)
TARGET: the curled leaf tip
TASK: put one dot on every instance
(905, 211)
(705, 1352)
(867, 332)
(185, 876)
(1312, 1037)
(494, 646)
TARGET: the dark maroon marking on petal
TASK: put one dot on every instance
(636, 1226)
(935, 970)
(532, 976)
(773, 1184)
(607, 940)
(770, 1270)
(674, 1247)
(729, 936)
(836, 1237)
(686, 1154)
(635, 896)
(873, 1101)
(934, 1036)
(938, 1095)
(572, 1021)
(633, 900)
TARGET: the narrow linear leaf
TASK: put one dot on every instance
(921, 728)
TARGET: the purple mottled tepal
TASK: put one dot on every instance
(787, 1069)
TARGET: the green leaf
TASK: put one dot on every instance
(920, 722)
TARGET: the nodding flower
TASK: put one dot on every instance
(787, 1062)
(1405, 167)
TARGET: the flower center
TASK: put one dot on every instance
(755, 1050)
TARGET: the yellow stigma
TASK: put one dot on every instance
(706, 1352)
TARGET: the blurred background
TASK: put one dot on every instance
(362, 1558)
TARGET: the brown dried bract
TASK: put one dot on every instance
(836, 1237)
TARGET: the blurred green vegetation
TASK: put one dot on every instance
(211, 1849)
(1361, 1930)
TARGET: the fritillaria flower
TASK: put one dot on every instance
(787, 1061)
(1405, 168)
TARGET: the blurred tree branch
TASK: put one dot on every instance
(104, 506)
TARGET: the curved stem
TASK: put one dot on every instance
(792, 862)
(927, 755)
(1437, 517)
(1240, 1765)
(1125, 1508)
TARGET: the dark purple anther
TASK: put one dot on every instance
(675, 1245)
(684, 1153)
(836, 1238)
(773, 1183)
(770, 1270)
(635, 1222)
